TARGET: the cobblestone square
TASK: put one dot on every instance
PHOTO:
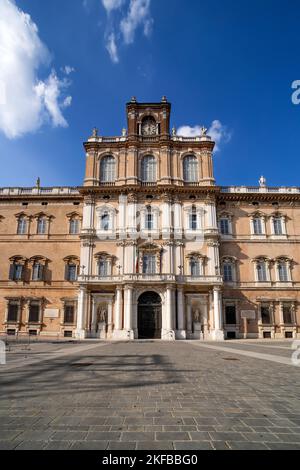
(150, 395)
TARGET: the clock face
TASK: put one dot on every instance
(149, 126)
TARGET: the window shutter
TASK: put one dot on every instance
(66, 272)
(12, 272)
(42, 273)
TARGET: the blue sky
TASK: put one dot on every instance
(225, 60)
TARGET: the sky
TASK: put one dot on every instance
(69, 65)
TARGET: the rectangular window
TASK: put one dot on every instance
(22, 226)
(283, 272)
(105, 221)
(42, 226)
(74, 227)
(195, 268)
(34, 313)
(287, 314)
(261, 272)
(230, 314)
(193, 221)
(149, 221)
(149, 264)
(68, 334)
(69, 314)
(103, 268)
(227, 272)
(224, 226)
(257, 226)
(12, 314)
(71, 272)
(277, 226)
(16, 272)
(265, 314)
(37, 272)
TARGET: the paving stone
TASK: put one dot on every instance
(192, 445)
(247, 445)
(152, 445)
(117, 445)
(137, 436)
(69, 436)
(227, 436)
(89, 445)
(35, 435)
(103, 436)
(172, 436)
(200, 436)
(31, 445)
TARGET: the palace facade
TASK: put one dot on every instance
(149, 246)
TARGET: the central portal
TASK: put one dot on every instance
(149, 315)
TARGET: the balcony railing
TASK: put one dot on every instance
(38, 191)
(257, 189)
(150, 278)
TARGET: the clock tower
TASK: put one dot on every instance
(148, 119)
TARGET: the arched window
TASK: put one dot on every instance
(148, 169)
(41, 225)
(190, 169)
(37, 271)
(108, 169)
(261, 270)
(22, 226)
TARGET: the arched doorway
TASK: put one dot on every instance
(149, 315)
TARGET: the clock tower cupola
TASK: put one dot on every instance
(148, 120)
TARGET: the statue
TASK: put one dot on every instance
(95, 132)
(38, 182)
(103, 316)
(203, 131)
(174, 132)
(262, 182)
(196, 316)
(124, 132)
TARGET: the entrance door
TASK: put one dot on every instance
(149, 315)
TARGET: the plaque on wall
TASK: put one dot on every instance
(250, 314)
(51, 313)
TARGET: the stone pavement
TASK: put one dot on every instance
(150, 395)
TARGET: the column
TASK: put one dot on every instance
(118, 309)
(80, 332)
(94, 316)
(122, 216)
(211, 215)
(189, 318)
(177, 220)
(128, 311)
(109, 318)
(166, 217)
(169, 334)
(180, 333)
(213, 258)
(218, 333)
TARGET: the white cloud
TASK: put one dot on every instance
(68, 69)
(28, 102)
(217, 131)
(49, 93)
(111, 5)
(138, 15)
(111, 46)
(122, 23)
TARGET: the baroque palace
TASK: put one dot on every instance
(150, 246)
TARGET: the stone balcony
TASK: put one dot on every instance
(153, 278)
